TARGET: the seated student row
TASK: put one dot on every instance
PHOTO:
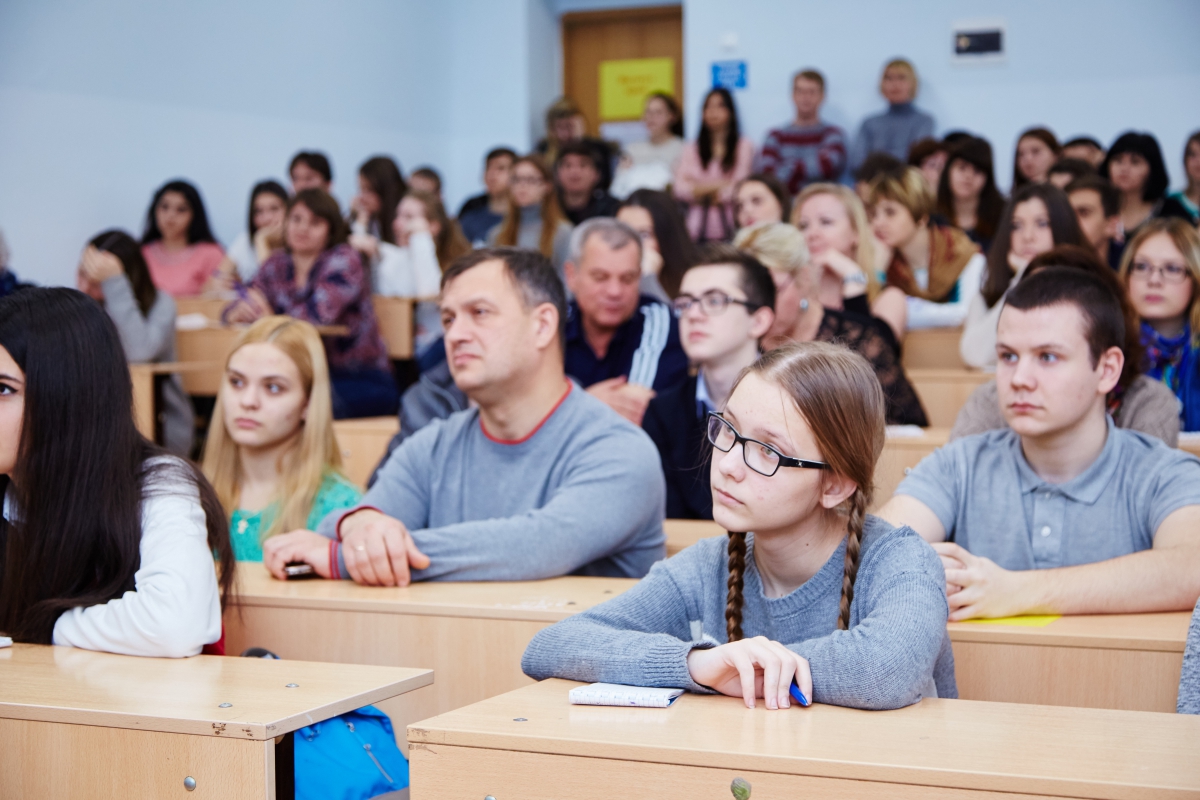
(827, 510)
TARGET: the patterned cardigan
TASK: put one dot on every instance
(338, 292)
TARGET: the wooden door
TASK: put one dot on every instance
(592, 37)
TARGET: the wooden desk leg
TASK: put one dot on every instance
(48, 759)
(143, 400)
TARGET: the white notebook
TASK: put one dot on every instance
(614, 694)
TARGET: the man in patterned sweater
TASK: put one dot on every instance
(807, 150)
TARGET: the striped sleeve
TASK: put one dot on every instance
(656, 327)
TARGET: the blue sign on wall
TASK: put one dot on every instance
(729, 74)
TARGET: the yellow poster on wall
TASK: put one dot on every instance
(624, 85)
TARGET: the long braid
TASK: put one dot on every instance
(858, 513)
(737, 569)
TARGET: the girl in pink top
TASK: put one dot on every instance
(711, 167)
(178, 245)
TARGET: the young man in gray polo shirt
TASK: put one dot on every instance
(1061, 512)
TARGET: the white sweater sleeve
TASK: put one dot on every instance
(927, 314)
(175, 608)
(427, 274)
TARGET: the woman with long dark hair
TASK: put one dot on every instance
(106, 542)
(1037, 150)
(263, 234)
(1037, 219)
(380, 187)
(178, 245)
(712, 166)
(113, 272)
(967, 195)
(667, 251)
(1135, 166)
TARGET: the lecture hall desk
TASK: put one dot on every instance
(472, 635)
(77, 723)
(531, 744)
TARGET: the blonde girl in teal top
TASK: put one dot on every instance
(271, 453)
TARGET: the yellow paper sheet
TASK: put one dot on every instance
(1033, 621)
(625, 84)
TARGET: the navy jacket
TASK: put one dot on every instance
(645, 349)
(677, 427)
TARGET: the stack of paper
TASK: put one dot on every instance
(612, 694)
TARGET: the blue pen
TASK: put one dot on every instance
(797, 695)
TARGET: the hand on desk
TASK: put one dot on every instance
(296, 546)
(378, 549)
(752, 668)
(977, 586)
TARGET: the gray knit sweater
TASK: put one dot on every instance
(896, 651)
(1189, 681)
(150, 339)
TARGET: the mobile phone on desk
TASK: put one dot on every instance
(299, 570)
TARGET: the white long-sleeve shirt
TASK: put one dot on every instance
(928, 314)
(175, 607)
(411, 271)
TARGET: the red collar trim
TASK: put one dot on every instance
(536, 428)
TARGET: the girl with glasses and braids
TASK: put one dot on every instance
(807, 587)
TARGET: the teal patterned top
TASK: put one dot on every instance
(245, 526)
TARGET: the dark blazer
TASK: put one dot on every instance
(679, 433)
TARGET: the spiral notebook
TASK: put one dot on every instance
(613, 694)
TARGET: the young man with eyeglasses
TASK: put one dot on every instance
(622, 346)
(1061, 512)
(725, 307)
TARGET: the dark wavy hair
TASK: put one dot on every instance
(322, 205)
(1046, 137)
(82, 468)
(673, 107)
(677, 249)
(978, 153)
(198, 231)
(704, 142)
(263, 187)
(386, 181)
(1146, 146)
(1064, 228)
(129, 253)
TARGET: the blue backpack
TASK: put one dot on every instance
(349, 757)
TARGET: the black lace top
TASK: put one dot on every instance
(868, 338)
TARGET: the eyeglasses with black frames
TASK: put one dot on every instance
(759, 456)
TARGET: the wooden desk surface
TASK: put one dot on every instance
(84, 687)
(950, 744)
(535, 601)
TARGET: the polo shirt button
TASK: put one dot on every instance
(1046, 531)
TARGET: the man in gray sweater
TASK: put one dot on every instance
(538, 479)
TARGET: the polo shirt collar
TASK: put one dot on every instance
(1085, 488)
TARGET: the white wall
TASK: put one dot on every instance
(101, 104)
(1097, 67)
